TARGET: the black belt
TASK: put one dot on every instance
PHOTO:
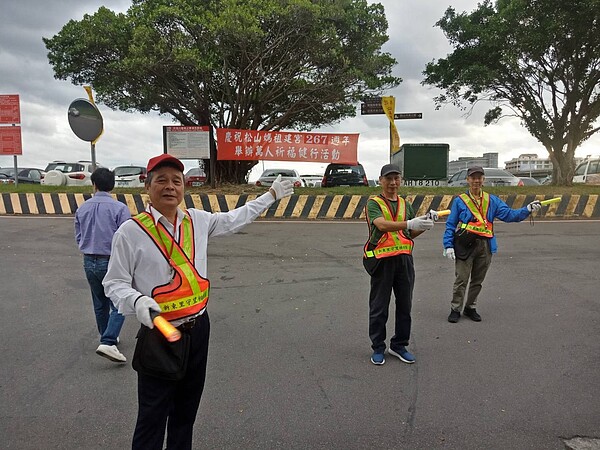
(188, 325)
(97, 256)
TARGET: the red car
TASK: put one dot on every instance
(195, 177)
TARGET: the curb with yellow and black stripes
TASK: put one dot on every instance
(307, 207)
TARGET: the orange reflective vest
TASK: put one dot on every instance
(187, 292)
(480, 226)
(391, 243)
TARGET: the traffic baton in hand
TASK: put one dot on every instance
(171, 333)
(550, 200)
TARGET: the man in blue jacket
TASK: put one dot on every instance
(469, 240)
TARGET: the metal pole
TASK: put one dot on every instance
(16, 170)
(93, 150)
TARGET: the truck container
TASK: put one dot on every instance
(423, 164)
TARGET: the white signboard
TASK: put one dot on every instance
(187, 142)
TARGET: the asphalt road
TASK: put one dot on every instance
(289, 357)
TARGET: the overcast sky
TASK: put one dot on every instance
(135, 137)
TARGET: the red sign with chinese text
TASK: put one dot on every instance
(10, 112)
(248, 145)
(10, 141)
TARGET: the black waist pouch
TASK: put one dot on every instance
(157, 357)
(464, 243)
(371, 265)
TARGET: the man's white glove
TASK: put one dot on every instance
(283, 188)
(449, 253)
(433, 214)
(534, 206)
(143, 305)
(421, 223)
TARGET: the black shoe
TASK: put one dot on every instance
(454, 316)
(471, 313)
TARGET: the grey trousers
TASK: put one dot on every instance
(474, 267)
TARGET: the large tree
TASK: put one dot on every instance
(538, 60)
(247, 64)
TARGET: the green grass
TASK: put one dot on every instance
(251, 189)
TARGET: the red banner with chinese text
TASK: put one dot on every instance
(248, 145)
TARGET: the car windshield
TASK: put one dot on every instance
(276, 172)
(195, 172)
(124, 171)
(65, 167)
(9, 172)
(497, 173)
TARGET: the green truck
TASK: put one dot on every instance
(423, 164)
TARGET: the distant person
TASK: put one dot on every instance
(159, 265)
(96, 221)
(469, 240)
(388, 260)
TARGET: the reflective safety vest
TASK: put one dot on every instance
(480, 226)
(187, 292)
(391, 243)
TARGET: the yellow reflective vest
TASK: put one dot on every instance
(187, 292)
(391, 243)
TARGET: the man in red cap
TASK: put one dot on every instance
(159, 266)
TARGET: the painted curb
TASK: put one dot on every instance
(307, 207)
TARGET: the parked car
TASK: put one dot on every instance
(195, 177)
(344, 175)
(61, 173)
(311, 180)
(529, 181)
(493, 177)
(588, 172)
(28, 175)
(546, 180)
(269, 175)
(130, 176)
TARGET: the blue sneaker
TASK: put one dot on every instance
(403, 354)
(378, 358)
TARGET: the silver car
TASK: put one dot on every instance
(269, 175)
(493, 177)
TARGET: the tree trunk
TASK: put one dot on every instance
(563, 166)
(234, 172)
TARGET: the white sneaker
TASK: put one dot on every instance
(111, 352)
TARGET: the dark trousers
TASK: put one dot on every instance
(173, 404)
(397, 274)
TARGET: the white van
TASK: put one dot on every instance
(588, 172)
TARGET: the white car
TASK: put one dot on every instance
(61, 173)
(588, 172)
(312, 180)
(130, 176)
(269, 175)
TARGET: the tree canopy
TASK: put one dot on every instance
(538, 60)
(246, 64)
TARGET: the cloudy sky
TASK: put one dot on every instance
(134, 137)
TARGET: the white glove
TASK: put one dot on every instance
(283, 188)
(433, 215)
(449, 253)
(143, 305)
(421, 223)
(534, 206)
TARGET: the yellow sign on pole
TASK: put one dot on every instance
(389, 107)
(88, 89)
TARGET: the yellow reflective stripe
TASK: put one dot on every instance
(184, 302)
(369, 253)
(381, 251)
(476, 228)
(387, 215)
(484, 205)
(178, 257)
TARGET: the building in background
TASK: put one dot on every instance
(530, 165)
(487, 160)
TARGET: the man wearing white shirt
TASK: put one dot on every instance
(159, 265)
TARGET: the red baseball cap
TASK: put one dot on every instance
(163, 159)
